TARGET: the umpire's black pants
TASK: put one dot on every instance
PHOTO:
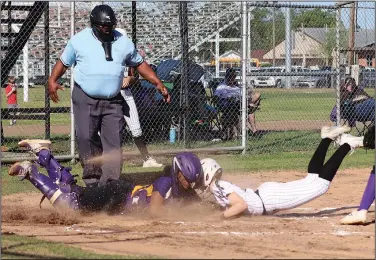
(92, 115)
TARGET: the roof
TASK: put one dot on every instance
(230, 54)
(363, 37)
(258, 54)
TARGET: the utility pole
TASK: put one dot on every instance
(288, 45)
(351, 43)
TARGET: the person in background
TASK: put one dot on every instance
(11, 95)
(359, 216)
(230, 95)
(132, 118)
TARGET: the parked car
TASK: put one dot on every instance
(367, 79)
(320, 81)
(276, 81)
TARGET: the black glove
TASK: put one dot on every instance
(369, 138)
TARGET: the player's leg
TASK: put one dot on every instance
(360, 215)
(60, 174)
(347, 143)
(283, 196)
(111, 197)
(60, 197)
(328, 134)
(133, 122)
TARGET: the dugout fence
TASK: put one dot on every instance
(294, 55)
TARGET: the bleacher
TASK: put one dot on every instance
(158, 31)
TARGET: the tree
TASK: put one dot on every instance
(313, 18)
(330, 42)
(262, 28)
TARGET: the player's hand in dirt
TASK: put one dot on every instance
(53, 86)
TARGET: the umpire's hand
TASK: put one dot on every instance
(53, 86)
(164, 92)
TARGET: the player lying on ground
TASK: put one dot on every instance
(61, 189)
(271, 197)
(359, 216)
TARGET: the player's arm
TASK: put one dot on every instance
(237, 206)
(156, 204)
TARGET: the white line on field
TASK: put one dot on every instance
(225, 233)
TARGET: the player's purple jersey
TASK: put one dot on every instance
(141, 195)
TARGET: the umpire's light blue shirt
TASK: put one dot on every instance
(98, 77)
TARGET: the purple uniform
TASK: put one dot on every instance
(141, 195)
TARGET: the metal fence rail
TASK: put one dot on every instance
(283, 53)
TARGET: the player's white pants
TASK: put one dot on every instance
(278, 196)
(133, 120)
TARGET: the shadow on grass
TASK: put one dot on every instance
(279, 143)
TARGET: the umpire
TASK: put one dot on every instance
(100, 55)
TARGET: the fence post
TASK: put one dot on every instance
(288, 46)
(72, 130)
(338, 81)
(47, 124)
(244, 74)
(183, 17)
(134, 23)
(1, 96)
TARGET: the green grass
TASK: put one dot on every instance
(22, 247)
(277, 104)
(295, 104)
(37, 100)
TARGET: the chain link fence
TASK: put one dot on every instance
(286, 68)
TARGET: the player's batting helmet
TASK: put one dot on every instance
(189, 165)
(210, 170)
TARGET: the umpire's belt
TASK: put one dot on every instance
(116, 98)
(263, 206)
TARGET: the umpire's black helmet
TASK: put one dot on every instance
(103, 15)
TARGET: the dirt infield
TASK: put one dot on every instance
(310, 231)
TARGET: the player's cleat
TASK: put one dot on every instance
(35, 145)
(333, 132)
(355, 217)
(151, 162)
(21, 169)
(353, 141)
